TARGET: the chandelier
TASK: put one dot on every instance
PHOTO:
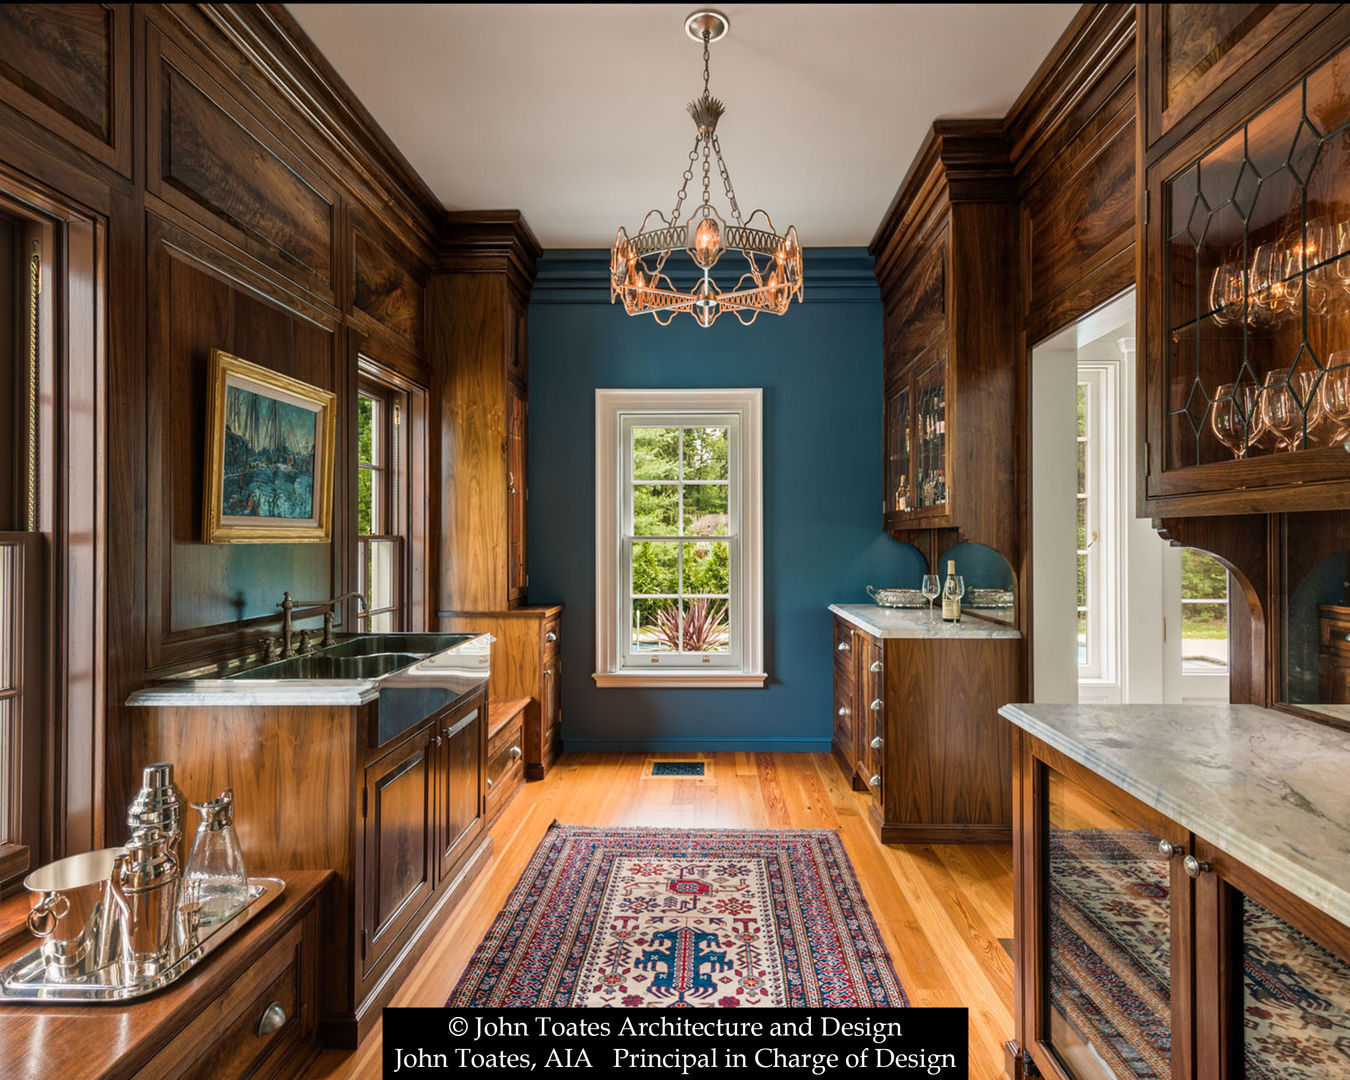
(771, 274)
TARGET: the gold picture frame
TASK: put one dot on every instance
(269, 457)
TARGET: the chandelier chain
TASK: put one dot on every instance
(688, 175)
(707, 38)
(726, 181)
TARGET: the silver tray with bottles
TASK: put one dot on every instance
(26, 978)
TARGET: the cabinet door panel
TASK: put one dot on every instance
(398, 831)
(460, 796)
(515, 496)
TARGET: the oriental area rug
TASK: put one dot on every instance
(677, 918)
(1109, 907)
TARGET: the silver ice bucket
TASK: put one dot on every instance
(73, 914)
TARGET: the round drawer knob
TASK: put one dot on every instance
(875, 781)
(1194, 867)
(843, 646)
(1169, 850)
(875, 744)
(843, 710)
(550, 637)
(876, 666)
(515, 751)
(489, 783)
(271, 1019)
(876, 705)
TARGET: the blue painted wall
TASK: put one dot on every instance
(820, 369)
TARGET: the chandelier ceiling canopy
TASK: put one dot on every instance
(769, 265)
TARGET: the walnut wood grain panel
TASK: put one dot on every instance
(920, 313)
(947, 754)
(204, 598)
(68, 67)
(205, 149)
(386, 290)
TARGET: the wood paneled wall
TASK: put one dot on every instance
(246, 202)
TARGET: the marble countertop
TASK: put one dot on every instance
(1267, 788)
(886, 622)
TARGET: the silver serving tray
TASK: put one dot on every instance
(898, 598)
(26, 978)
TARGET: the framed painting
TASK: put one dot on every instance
(269, 457)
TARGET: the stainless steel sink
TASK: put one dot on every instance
(422, 644)
(327, 666)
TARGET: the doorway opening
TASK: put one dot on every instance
(1118, 615)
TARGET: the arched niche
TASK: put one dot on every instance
(990, 581)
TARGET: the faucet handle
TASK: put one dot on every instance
(304, 645)
(271, 647)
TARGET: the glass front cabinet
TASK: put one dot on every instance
(1146, 952)
(1247, 258)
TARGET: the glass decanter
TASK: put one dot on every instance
(215, 877)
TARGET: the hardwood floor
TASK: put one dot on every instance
(941, 909)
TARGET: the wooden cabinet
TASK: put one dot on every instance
(206, 1025)
(942, 255)
(526, 663)
(1146, 950)
(916, 726)
(1245, 313)
(401, 822)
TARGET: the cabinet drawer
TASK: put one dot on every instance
(505, 773)
(274, 994)
(503, 740)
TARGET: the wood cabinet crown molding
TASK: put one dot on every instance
(960, 161)
(489, 241)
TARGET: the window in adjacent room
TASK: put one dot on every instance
(1204, 614)
(678, 517)
(382, 501)
(1098, 465)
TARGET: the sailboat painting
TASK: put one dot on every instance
(269, 471)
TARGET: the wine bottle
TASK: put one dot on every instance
(951, 601)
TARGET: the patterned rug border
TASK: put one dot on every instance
(867, 940)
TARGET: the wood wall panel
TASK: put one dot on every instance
(386, 291)
(206, 154)
(68, 67)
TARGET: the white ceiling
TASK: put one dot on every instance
(574, 113)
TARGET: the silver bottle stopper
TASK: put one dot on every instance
(159, 804)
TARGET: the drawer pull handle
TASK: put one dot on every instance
(876, 705)
(843, 710)
(843, 646)
(548, 672)
(875, 744)
(1194, 867)
(271, 1019)
(515, 751)
(551, 637)
(875, 781)
(876, 666)
(1169, 850)
(489, 783)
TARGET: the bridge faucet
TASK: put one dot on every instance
(328, 605)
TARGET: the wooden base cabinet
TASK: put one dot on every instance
(526, 663)
(401, 823)
(916, 726)
(1144, 950)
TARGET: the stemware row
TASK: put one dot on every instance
(1276, 414)
(1303, 267)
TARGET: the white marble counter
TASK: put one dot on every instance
(1270, 789)
(886, 622)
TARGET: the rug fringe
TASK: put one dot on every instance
(552, 825)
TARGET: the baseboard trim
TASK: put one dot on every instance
(719, 744)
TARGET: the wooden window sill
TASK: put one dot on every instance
(690, 680)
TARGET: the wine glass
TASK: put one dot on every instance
(958, 587)
(1279, 411)
(932, 590)
(1340, 267)
(1226, 292)
(1266, 281)
(1320, 245)
(1334, 395)
(1235, 419)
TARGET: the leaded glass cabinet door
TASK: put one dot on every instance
(899, 430)
(1278, 1008)
(932, 465)
(1110, 933)
(1249, 306)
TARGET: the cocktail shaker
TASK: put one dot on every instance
(159, 805)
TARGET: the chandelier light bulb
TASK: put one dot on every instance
(771, 273)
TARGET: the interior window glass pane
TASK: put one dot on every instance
(1082, 525)
(383, 567)
(1107, 921)
(656, 568)
(8, 644)
(705, 510)
(363, 571)
(705, 453)
(707, 568)
(1294, 1017)
(706, 626)
(1082, 411)
(365, 429)
(656, 510)
(656, 453)
(382, 622)
(654, 625)
(365, 504)
(1082, 609)
(7, 740)
(1204, 613)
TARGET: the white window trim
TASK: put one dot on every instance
(1103, 463)
(611, 406)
